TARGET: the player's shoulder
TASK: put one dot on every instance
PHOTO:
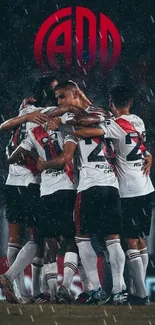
(28, 109)
(98, 111)
(135, 120)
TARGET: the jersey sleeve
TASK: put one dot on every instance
(71, 138)
(110, 129)
(27, 143)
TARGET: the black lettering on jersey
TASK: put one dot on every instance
(108, 122)
(94, 155)
(133, 155)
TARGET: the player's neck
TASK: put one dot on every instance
(123, 111)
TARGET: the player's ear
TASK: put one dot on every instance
(76, 94)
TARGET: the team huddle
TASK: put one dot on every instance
(75, 171)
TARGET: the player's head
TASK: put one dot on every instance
(67, 93)
(43, 90)
(120, 98)
(48, 82)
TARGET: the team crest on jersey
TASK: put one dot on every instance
(44, 140)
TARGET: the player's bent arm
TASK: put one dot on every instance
(88, 120)
(68, 109)
(35, 117)
(148, 163)
(19, 153)
(89, 132)
(59, 162)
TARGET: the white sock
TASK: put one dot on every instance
(12, 252)
(145, 259)
(51, 274)
(70, 267)
(86, 283)
(135, 268)
(117, 262)
(23, 259)
(36, 265)
(88, 260)
(123, 285)
(44, 284)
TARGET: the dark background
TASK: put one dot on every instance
(135, 20)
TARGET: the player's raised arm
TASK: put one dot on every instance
(59, 162)
(35, 117)
(85, 100)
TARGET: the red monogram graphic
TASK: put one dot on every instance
(46, 48)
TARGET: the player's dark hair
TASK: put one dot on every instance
(67, 84)
(120, 95)
(45, 80)
(41, 90)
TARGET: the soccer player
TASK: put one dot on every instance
(57, 193)
(98, 198)
(127, 132)
(22, 186)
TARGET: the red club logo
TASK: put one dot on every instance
(60, 24)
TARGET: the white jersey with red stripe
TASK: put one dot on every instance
(127, 133)
(49, 145)
(96, 160)
(25, 174)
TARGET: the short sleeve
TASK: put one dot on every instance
(71, 138)
(110, 129)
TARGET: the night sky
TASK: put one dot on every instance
(135, 20)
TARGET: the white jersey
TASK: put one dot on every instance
(49, 145)
(95, 169)
(25, 174)
(127, 133)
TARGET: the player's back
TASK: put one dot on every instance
(25, 173)
(96, 160)
(94, 168)
(127, 133)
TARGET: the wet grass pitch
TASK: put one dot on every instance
(76, 315)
